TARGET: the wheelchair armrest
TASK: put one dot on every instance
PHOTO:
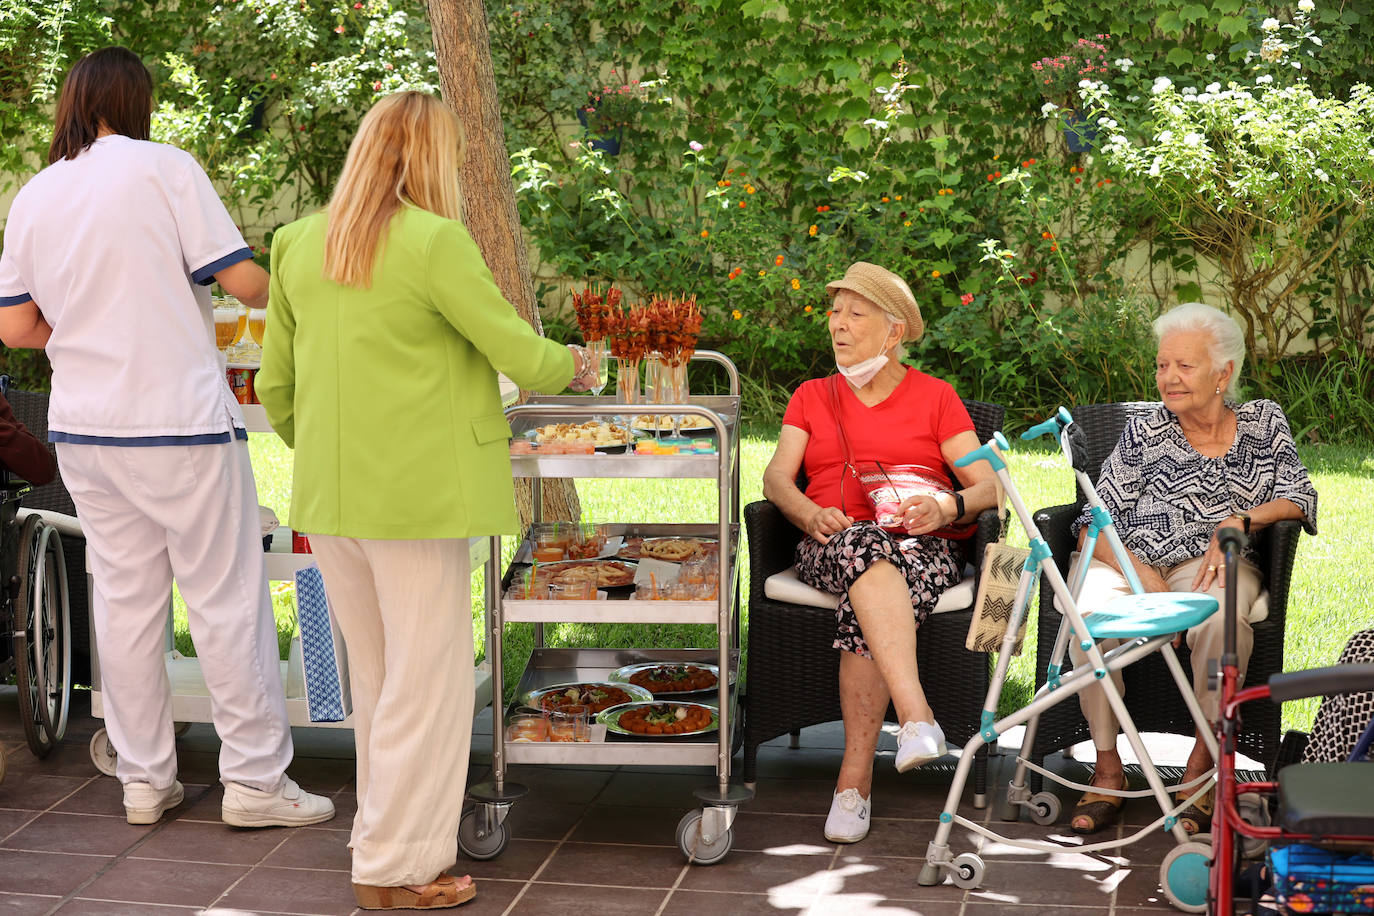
(1314, 682)
(1277, 549)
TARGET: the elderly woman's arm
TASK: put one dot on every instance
(780, 488)
(978, 488)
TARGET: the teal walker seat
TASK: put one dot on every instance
(1153, 614)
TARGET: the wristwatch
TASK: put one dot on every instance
(959, 508)
(1244, 520)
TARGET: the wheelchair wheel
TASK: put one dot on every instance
(42, 644)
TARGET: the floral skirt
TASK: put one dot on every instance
(930, 565)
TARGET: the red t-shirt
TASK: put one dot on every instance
(907, 427)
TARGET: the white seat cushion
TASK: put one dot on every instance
(785, 586)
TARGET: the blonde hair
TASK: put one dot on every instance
(406, 153)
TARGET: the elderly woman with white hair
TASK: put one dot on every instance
(1201, 462)
(877, 409)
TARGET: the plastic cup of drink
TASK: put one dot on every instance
(570, 723)
(527, 727)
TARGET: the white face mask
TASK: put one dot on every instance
(860, 374)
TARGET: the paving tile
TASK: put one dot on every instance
(84, 833)
(198, 767)
(993, 850)
(37, 791)
(47, 872)
(1138, 886)
(621, 824)
(520, 860)
(561, 899)
(26, 904)
(907, 839)
(652, 790)
(310, 848)
(561, 784)
(543, 821)
(763, 873)
(12, 819)
(83, 906)
(204, 807)
(846, 904)
(159, 881)
(975, 908)
(70, 758)
(1085, 883)
(793, 796)
(889, 878)
(597, 863)
(493, 897)
(345, 806)
(105, 796)
(323, 775)
(290, 890)
(197, 841)
(759, 831)
(695, 903)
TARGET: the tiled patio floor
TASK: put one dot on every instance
(596, 841)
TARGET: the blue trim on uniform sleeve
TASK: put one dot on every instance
(206, 275)
(145, 441)
(7, 301)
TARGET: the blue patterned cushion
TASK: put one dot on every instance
(322, 647)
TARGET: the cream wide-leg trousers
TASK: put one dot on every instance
(189, 512)
(1206, 640)
(405, 609)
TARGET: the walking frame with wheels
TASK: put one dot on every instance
(1146, 623)
(1318, 803)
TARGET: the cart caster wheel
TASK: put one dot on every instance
(103, 753)
(1253, 810)
(690, 842)
(1184, 875)
(931, 876)
(180, 728)
(483, 847)
(1045, 808)
(968, 870)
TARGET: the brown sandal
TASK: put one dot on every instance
(1101, 810)
(440, 893)
(1197, 817)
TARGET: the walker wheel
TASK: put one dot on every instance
(968, 871)
(481, 846)
(1253, 810)
(698, 851)
(1184, 875)
(103, 753)
(1045, 808)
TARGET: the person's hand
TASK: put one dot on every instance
(585, 377)
(1213, 567)
(924, 514)
(827, 521)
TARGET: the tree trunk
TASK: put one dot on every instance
(469, 86)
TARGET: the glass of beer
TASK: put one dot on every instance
(257, 324)
(226, 325)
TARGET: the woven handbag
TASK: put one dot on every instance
(998, 579)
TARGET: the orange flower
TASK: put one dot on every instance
(763, 273)
(1054, 248)
(1047, 235)
(735, 314)
(935, 274)
(778, 260)
(727, 181)
(705, 233)
(898, 197)
(741, 205)
(748, 189)
(796, 284)
(720, 184)
(886, 200)
(906, 222)
(813, 230)
(807, 310)
(990, 178)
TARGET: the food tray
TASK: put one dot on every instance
(611, 719)
(622, 676)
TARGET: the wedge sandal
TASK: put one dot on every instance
(439, 894)
(1101, 810)
(1197, 817)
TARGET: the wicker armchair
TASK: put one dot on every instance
(793, 672)
(31, 409)
(1151, 696)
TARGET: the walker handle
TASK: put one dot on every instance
(986, 452)
(1054, 425)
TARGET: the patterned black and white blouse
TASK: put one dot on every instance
(1167, 499)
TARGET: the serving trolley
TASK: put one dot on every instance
(703, 834)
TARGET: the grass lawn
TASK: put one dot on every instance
(1328, 601)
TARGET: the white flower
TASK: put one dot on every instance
(1321, 176)
(1166, 136)
(1211, 57)
(1132, 98)
(1161, 83)
(1154, 169)
(695, 146)
(1306, 6)
(1189, 90)
(1085, 84)
(1124, 64)
(1266, 78)
(1270, 25)
(1176, 110)
(1046, 108)
(1213, 87)
(1192, 139)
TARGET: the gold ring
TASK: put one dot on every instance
(1211, 569)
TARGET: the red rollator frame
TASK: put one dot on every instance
(1227, 822)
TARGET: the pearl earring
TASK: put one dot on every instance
(1218, 389)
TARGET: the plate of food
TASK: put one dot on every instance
(650, 423)
(668, 549)
(595, 695)
(659, 719)
(606, 573)
(600, 435)
(668, 678)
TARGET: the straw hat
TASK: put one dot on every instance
(886, 290)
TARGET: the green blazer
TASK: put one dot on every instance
(389, 394)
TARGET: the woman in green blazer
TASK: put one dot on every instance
(385, 333)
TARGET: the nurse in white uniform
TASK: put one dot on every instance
(108, 256)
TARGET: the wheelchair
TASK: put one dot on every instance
(35, 620)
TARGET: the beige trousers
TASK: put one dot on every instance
(405, 610)
(1104, 583)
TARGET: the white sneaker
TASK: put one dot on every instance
(849, 817)
(919, 743)
(145, 805)
(289, 806)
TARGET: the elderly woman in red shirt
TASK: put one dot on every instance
(889, 578)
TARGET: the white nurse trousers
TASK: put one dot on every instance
(189, 512)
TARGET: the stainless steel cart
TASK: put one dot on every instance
(704, 834)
